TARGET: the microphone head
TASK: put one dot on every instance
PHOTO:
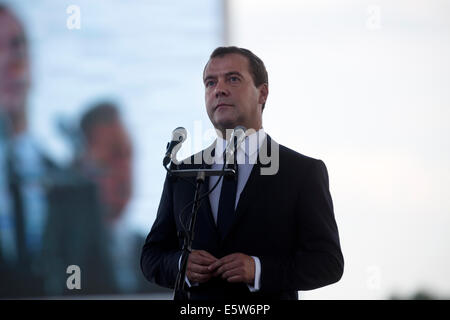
(179, 134)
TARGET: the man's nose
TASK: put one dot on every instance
(221, 90)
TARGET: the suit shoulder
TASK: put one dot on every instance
(304, 168)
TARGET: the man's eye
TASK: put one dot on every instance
(209, 83)
(234, 79)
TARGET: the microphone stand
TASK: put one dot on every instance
(180, 292)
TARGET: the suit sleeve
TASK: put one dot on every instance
(318, 259)
(160, 253)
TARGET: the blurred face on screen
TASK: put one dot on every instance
(231, 96)
(110, 149)
(14, 68)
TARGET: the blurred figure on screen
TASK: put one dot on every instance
(108, 156)
(43, 208)
(23, 207)
(107, 159)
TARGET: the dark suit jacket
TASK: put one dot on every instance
(285, 219)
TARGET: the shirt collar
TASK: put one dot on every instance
(250, 146)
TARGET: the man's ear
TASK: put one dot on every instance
(263, 93)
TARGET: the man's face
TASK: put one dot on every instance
(110, 149)
(231, 96)
(14, 68)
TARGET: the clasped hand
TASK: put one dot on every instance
(235, 267)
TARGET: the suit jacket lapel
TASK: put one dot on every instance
(248, 193)
(251, 188)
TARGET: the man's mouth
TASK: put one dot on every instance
(224, 105)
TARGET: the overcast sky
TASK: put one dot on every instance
(365, 86)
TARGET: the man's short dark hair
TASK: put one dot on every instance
(101, 113)
(256, 65)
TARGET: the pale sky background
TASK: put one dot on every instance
(362, 85)
(365, 86)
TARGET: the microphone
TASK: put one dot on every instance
(178, 137)
(237, 137)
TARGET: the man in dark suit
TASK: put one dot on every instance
(22, 205)
(268, 234)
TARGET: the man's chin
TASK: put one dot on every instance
(226, 125)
